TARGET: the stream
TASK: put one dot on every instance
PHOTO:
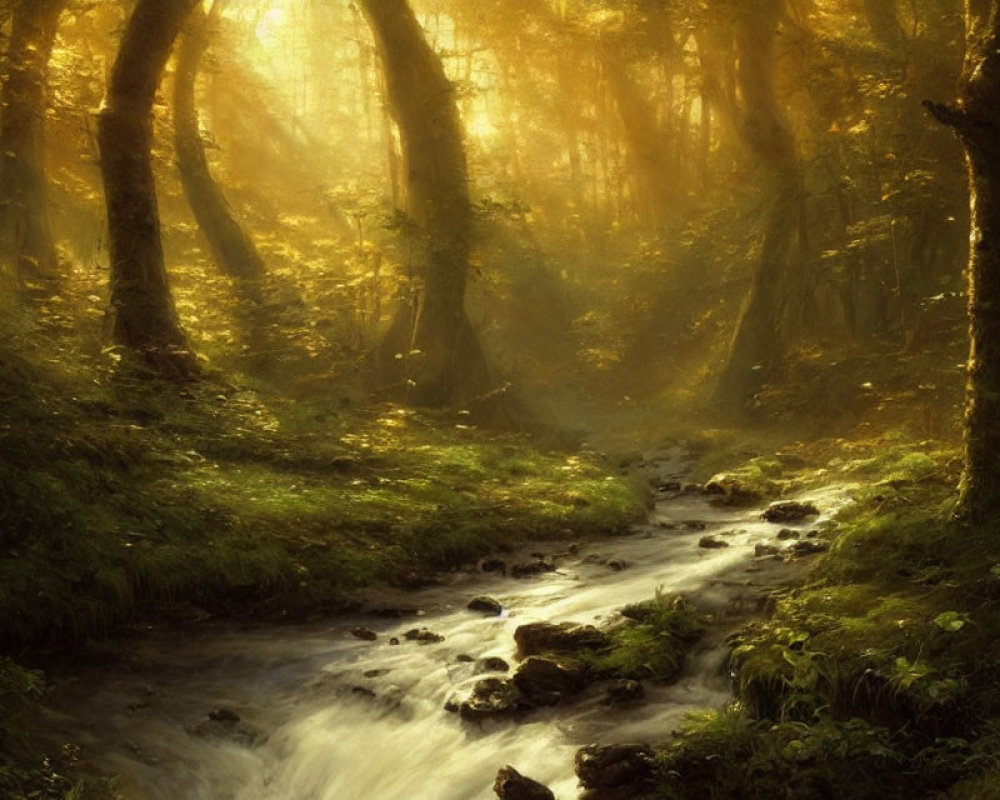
(327, 716)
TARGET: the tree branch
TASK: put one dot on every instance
(950, 116)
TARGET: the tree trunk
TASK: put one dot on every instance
(648, 156)
(757, 348)
(883, 19)
(233, 250)
(976, 120)
(26, 234)
(447, 364)
(142, 309)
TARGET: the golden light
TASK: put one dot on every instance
(480, 126)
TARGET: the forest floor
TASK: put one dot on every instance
(128, 503)
(878, 676)
(125, 503)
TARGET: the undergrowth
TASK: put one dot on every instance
(877, 678)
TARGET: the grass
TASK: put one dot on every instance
(126, 500)
(655, 644)
(876, 678)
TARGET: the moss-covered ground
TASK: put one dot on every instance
(877, 678)
(127, 501)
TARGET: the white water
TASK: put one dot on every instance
(325, 741)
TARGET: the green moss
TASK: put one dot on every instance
(656, 643)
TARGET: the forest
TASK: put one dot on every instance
(529, 399)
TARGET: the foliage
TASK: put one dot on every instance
(655, 644)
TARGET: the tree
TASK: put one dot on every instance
(757, 348)
(975, 118)
(142, 310)
(26, 232)
(449, 363)
(231, 247)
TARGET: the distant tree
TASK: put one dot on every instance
(975, 118)
(448, 364)
(231, 247)
(26, 233)
(142, 308)
(758, 345)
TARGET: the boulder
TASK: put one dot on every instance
(566, 637)
(512, 785)
(490, 698)
(809, 547)
(364, 633)
(485, 604)
(789, 511)
(492, 664)
(423, 636)
(766, 550)
(787, 533)
(547, 682)
(730, 490)
(614, 767)
(712, 543)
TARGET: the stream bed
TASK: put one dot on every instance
(324, 715)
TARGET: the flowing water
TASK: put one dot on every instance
(332, 717)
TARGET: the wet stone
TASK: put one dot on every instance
(809, 547)
(766, 550)
(546, 681)
(376, 673)
(492, 664)
(787, 533)
(566, 637)
(485, 604)
(393, 641)
(615, 766)
(712, 543)
(364, 633)
(464, 658)
(693, 525)
(423, 636)
(490, 697)
(789, 511)
(512, 785)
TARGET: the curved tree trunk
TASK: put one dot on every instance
(976, 120)
(757, 348)
(231, 247)
(26, 234)
(142, 309)
(448, 364)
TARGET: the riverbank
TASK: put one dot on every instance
(135, 505)
(356, 705)
(876, 678)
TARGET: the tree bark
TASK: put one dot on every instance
(976, 120)
(448, 363)
(142, 310)
(26, 233)
(757, 348)
(231, 248)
